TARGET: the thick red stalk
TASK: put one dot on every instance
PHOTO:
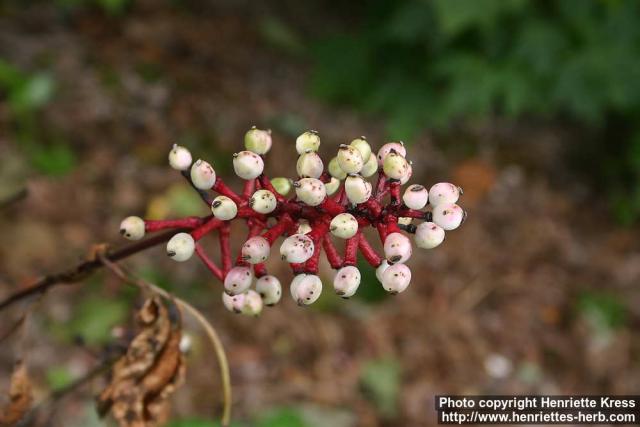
(259, 270)
(351, 250)
(267, 185)
(311, 266)
(368, 252)
(394, 189)
(334, 258)
(249, 188)
(279, 229)
(151, 225)
(209, 263)
(222, 188)
(209, 225)
(225, 247)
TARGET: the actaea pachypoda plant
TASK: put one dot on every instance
(326, 202)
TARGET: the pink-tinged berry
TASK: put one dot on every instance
(181, 247)
(448, 216)
(202, 175)
(297, 248)
(270, 289)
(396, 278)
(258, 140)
(363, 146)
(281, 185)
(443, 192)
(344, 225)
(308, 290)
(247, 164)
(398, 147)
(350, 159)
(238, 280)
(346, 281)
(263, 201)
(310, 191)
(358, 189)
(335, 170)
(308, 141)
(395, 166)
(397, 248)
(252, 303)
(309, 165)
(332, 186)
(255, 250)
(180, 158)
(303, 227)
(415, 197)
(381, 269)
(224, 208)
(408, 175)
(370, 166)
(429, 235)
(132, 228)
(233, 303)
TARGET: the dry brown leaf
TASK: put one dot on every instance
(151, 370)
(20, 396)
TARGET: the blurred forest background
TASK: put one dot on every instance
(533, 107)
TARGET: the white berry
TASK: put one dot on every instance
(407, 176)
(332, 186)
(335, 170)
(346, 281)
(180, 247)
(303, 227)
(363, 146)
(358, 190)
(257, 140)
(263, 201)
(344, 225)
(238, 280)
(397, 248)
(398, 147)
(370, 166)
(405, 220)
(247, 164)
(202, 175)
(381, 269)
(429, 235)
(350, 159)
(293, 288)
(448, 216)
(297, 248)
(281, 185)
(310, 191)
(396, 278)
(253, 303)
(224, 208)
(255, 250)
(415, 196)
(395, 166)
(443, 192)
(309, 165)
(132, 228)
(308, 290)
(180, 158)
(308, 141)
(233, 303)
(270, 289)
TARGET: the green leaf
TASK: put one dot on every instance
(95, 317)
(380, 380)
(456, 16)
(604, 311)
(52, 159)
(58, 377)
(284, 417)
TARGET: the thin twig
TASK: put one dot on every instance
(210, 331)
(85, 268)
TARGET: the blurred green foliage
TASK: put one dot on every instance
(111, 7)
(604, 311)
(380, 380)
(432, 63)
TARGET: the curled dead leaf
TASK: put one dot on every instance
(151, 370)
(20, 396)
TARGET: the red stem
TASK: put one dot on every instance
(334, 258)
(267, 185)
(368, 252)
(151, 225)
(211, 224)
(351, 250)
(223, 189)
(259, 270)
(225, 247)
(311, 266)
(209, 263)
(248, 189)
(394, 189)
(279, 229)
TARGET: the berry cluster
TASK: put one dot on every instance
(334, 201)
